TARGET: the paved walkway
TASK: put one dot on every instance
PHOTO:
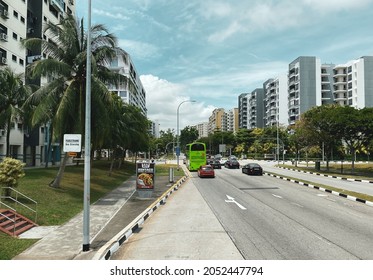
(66, 241)
(185, 228)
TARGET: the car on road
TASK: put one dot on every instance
(232, 163)
(252, 169)
(206, 171)
(215, 164)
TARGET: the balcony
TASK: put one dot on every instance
(32, 58)
(4, 14)
(58, 4)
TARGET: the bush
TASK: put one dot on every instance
(11, 170)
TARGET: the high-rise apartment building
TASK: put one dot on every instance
(232, 120)
(304, 86)
(353, 83)
(255, 108)
(216, 121)
(202, 129)
(13, 26)
(131, 90)
(21, 19)
(275, 101)
(242, 110)
(251, 109)
(327, 89)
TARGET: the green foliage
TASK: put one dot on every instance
(187, 135)
(11, 170)
(12, 97)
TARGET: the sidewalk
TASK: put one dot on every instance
(108, 216)
(183, 229)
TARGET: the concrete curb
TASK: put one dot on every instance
(106, 251)
(322, 189)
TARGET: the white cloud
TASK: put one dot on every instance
(163, 99)
(335, 5)
(116, 15)
(140, 50)
(222, 35)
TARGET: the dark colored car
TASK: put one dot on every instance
(252, 169)
(215, 164)
(206, 171)
(232, 163)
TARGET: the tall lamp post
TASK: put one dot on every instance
(87, 141)
(177, 132)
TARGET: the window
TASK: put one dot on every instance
(15, 14)
(14, 58)
(15, 36)
(21, 61)
(22, 19)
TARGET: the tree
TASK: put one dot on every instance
(167, 139)
(128, 130)
(244, 140)
(321, 129)
(352, 126)
(188, 135)
(12, 97)
(63, 98)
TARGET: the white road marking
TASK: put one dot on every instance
(278, 196)
(232, 200)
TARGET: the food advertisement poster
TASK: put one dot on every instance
(145, 172)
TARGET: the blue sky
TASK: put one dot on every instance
(212, 51)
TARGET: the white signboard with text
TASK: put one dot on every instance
(72, 143)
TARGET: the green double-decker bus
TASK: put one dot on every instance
(195, 155)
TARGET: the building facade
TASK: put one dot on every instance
(242, 110)
(216, 121)
(130, 90)
(232, 120)
(202, 129)
(255, 109)
(21, 19)
(275, 101)
(304, 86)
(353, 83)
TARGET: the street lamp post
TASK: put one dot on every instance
(177, 133)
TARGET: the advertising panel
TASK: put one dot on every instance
(145, 172)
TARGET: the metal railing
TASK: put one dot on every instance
(17, 202)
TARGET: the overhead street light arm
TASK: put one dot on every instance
(177, 130)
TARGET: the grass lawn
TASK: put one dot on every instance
(57, 206)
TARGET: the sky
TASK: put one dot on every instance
(211, 51)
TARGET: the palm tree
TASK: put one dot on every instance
(128, 130)
(62, 101)
(13, 94)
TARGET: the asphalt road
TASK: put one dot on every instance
(268, 218)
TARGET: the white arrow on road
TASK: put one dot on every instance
(231, 199)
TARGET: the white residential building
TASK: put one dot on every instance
(202, 129)
(275, 101)
(353, 83)
(232, 120)
(131, 90)
(24, 19)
